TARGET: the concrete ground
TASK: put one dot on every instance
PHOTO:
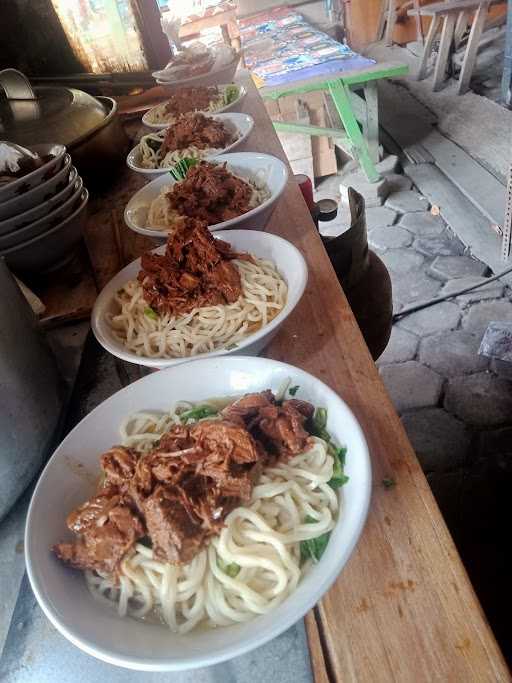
(455, 404)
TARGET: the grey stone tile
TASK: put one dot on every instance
(482, 399)
(494, 290)
(413, 286)
(440, 440)
(453, 353)
(379, 217)
(401, 347)
(388, 165)
(407, 201)
(441, 317)
(441, 245)
(402, 260)
(481, 314)
(449, 267)
(389, 238)
(374, 193)
(411, 385)
(398, 183)
(423, 224)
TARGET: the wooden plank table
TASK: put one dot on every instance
(403, 608)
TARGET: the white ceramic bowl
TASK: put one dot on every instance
(21, 220)
(73, 472)
(239, 124)
(223, 73)
(288, 260)
(39, 194)
(58, 215)
(22, 185)
(243, 164)
(146, 119)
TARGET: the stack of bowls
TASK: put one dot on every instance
(42, 214)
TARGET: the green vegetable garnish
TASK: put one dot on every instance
(198, 413)
(180, 169)
(151, 313)
(318, 424)
(232, 569)
(338, 478)
(313, 548)
(293, 390)
(231, 94)
(388, 483)
(231, 346)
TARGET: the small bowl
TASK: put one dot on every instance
(56, 216)
(21, 185)
(39, 194)
(146, 119)
(53, 248)
(221, 74)
(288, 260)
(242, 124)
(71, 476)
(24, 219)
(243, 164)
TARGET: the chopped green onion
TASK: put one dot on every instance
(230, 347)
(293, 390)
(198, 413)
(231, 94)
(180, 169)
(388, 483)
(232, 569)
(151, 313)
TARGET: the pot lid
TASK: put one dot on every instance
(31, 116)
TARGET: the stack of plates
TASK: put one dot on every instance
(42, 214)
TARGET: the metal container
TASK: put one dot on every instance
(364, 278)
(31, 390)
(89, 126)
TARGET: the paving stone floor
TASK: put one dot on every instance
(455, 408)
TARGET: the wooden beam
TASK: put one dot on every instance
(444, 50)
(471, 51)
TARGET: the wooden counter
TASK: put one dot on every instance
(403, 608)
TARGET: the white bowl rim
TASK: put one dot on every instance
(13, 200)
(242, 92)
(237, 158)
(224, 116)
(234, 649)
(60, 151)
(76, 191)
(116, 349)
(12, 250)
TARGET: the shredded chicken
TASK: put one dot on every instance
(196, 270)
(184, 100)
(180, 492)
(211, 193)
(196, 129)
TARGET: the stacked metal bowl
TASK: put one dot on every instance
(42, 214)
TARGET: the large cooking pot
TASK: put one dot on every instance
(88, 126)
(31, 390)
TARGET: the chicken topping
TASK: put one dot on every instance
(198, 130)
(211, 193)
(196, 270)
(179, 493)
(187, 99)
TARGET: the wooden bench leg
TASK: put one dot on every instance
(371, 122)
(444, 51)
(341, 98)
(472, 48)
(460, 28)
(427, 50)
(390, 22)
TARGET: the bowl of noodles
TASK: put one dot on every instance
(183, 100)
(138, 327)
(193, 136)
(267, 552)
(237, 189)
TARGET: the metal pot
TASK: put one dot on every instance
(88, 126)
(31, 392)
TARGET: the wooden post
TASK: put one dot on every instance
(472, 47)
(156, 44)
(444, 50)
(427, 50)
